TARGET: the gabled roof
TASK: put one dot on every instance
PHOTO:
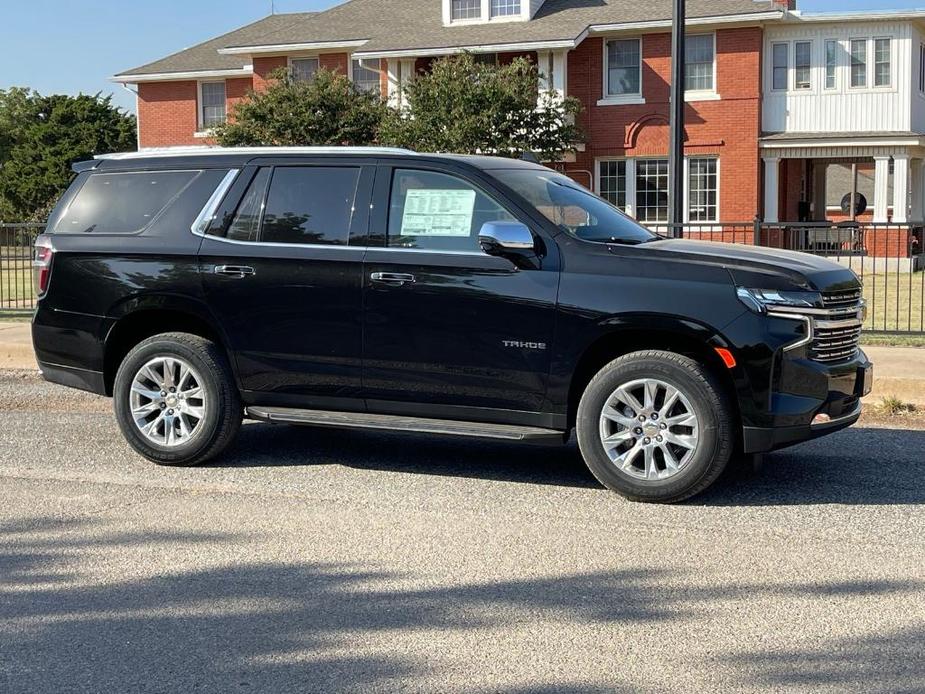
(205, 56)
(383, 26)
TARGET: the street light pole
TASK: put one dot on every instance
(676, 145)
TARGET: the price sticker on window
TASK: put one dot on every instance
(438, 213)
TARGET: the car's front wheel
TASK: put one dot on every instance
(655, 426)
(176, 401)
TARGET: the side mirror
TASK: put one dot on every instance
(502, 238)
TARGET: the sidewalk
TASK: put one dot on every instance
(898, 371)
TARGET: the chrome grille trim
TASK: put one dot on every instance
(836, 336)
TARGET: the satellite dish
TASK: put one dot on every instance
(860, 204)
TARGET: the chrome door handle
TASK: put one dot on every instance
(395, 278)
(239, 271)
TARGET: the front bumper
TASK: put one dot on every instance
(827, 399)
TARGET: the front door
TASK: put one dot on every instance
(284, 279)
(447, 326)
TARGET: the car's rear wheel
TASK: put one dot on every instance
(176, 401)
(655, 426)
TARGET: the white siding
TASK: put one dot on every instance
(844, 109)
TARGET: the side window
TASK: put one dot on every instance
(121, 203)
(435, 211)
(310, 205)
(246, 223)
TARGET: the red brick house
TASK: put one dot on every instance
(768, 89)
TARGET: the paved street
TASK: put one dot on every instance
(316, 560)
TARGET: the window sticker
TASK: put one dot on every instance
(438, 213)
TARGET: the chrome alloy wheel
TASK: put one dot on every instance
(648, 429)
(168, 402)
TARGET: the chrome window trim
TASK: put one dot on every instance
(207, 213)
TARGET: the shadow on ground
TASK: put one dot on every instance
(867, 466)
(320, 627)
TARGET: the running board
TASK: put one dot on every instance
(363, 420)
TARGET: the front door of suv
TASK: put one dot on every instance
(282, 272)
(447, 326)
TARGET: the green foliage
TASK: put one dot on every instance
(469, 107)
(328, 110)
(41, 136)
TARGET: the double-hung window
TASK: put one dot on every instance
(698, 68)
(779, 65)
(703, 189)
(802, 65)
(858, 62)
(624, 67)
(303, 69)
(505, 8)
(883, 63)
(652, 190)
(366, 75)
(211, 104)
(466, 9)
(831, 64)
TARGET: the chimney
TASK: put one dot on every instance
(784, 4)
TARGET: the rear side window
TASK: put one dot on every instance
(246, 224)
(310, 205)
(121, 203)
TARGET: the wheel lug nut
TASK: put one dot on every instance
(642, 418)
(163, 406)
(663, 425)
(655, 415)
(173, 390)
(163, 393)
(658, 438)
(647, 440)
(637, 430)
(169, 411)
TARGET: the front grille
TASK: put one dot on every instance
(836, 335)
(849, 298)
(834, 344)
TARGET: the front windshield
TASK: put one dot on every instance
(573, 208)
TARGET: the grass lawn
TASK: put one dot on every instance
(895, 301)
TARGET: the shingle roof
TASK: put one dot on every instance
(390, 25)
(205, 56)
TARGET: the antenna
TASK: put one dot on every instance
(272, 6)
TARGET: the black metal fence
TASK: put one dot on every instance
(16, 287)
(889, 258)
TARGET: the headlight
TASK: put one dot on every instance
(764, 300)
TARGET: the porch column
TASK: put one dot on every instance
(394, 74)
(881, 189)
(771, 189)
(917, 180)
(553, 67)
(900, 188)
(820, 169)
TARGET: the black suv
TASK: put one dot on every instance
(471, 296)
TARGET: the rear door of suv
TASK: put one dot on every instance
(447, 325)
(282, 271)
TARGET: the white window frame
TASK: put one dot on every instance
(687, 189)
(378, 72)
(867, 76)
(618, 99)
(628, 187)
(703, 94)
(204, 130)
(293, 58)
(771, 67)
(794, 85)
(518, 14)
(485, 14)
(872, 63)
(825, 64)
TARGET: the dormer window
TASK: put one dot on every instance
(487, 11)
(505, 8)
(466, 9)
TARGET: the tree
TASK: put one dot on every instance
(465, 106)
(327, 110)
(41, 136)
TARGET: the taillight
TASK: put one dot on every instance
(41, 264)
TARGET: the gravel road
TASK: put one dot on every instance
(316, 560)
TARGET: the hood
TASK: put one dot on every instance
(756, 267)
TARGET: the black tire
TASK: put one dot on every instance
(709, 402)
(222, 420)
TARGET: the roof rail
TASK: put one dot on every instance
(217, 151)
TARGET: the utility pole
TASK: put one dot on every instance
(676, 145)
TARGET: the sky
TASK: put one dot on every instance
(74, 46)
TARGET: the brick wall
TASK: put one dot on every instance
(167, 113)
(728, 128)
